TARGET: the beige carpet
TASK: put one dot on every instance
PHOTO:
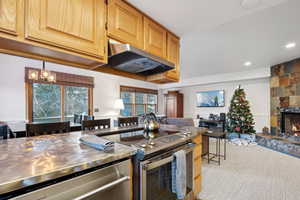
(252, 173)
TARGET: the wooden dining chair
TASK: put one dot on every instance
(128, 121)
(95, 124)
(88, 117)
(37, 129)
(3, 131)
(77, 118)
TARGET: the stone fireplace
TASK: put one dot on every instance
(285, 109)
(285, 98)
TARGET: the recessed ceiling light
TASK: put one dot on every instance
(248, 63)
(290, 45)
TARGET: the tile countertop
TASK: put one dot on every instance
(27, 161)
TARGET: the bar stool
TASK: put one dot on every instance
(95, 124)
(128, 121)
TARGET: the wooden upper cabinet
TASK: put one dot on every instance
(75, 25)
(173, 47)
(155, 38)
(125, 23)
(10, 16)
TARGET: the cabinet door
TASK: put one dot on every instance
(197, 161)
(171, 106)
(10, 16)
(125, 23)
(197, 168)
(155, 38)
(197, 185)
(173, 46)
(76, 25)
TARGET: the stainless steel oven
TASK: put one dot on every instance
(156, 175)
(109, 183)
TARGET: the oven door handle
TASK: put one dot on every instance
(160, 162)
(104, 187)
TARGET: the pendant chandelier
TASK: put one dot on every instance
(43, 75)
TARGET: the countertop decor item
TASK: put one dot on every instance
(97, 142)
(150, 122)
(266, 130)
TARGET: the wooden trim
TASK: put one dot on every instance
(64, 79)
(29, 102)
(62, 102)
(91, 101)
(30, 49)
(137, 89)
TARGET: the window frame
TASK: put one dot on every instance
(29, 101)
(135, 90)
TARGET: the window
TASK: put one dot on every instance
(76, 101)
(47, 102)
(138, 101)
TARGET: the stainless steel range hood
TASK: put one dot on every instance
(127, 58)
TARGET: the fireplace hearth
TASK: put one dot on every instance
(288, 140)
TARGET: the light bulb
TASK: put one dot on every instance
(51, 78)
(45, 74)
(33, 75)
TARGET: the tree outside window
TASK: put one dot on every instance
(52, 103)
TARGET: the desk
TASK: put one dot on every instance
(208, 123)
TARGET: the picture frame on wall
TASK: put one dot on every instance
(212, 98)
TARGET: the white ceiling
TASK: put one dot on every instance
(218, 36)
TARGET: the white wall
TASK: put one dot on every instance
(12, 87)
(257, 92)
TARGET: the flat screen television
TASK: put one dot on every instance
(213, 98)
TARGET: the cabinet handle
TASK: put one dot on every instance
(104, 187)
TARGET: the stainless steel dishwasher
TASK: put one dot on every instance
(110, 183)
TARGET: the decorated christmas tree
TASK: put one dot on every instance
(239, 118)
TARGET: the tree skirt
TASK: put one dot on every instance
(242, 142)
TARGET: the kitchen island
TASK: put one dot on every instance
(27, 162)
(32, 160)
